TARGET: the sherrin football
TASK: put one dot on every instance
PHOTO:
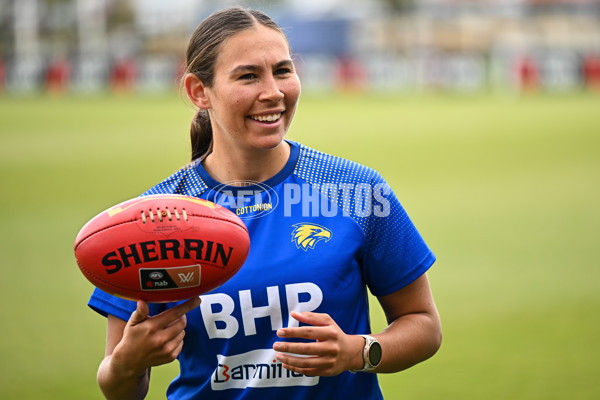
(162, 248)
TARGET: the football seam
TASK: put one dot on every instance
(243, 227)
(102, 230)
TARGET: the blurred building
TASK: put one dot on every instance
(469, 45)
(392, 45)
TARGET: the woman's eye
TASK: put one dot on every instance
(283, 71)
(248, 76)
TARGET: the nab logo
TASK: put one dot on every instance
(306, 235)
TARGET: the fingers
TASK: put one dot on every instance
(155, 340)
(323, 330)
(168, 325)
(315, 362)
(166, 318)
(172, 348)
(140, 314)
(321, 347)
(303, 365)
(316, 329)
(326, 352)
(173, 322)
(312, 318)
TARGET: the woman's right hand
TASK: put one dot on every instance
(134, 347)
(151, 341)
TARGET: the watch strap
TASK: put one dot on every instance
(369, 340)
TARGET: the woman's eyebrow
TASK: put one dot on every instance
(244, 68)
(283, 63)
(253, 67)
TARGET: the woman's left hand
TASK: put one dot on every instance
(331, 353)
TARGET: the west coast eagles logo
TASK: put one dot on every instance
(306, 235)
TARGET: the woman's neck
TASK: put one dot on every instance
(236, 166)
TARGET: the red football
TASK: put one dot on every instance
(162, 248)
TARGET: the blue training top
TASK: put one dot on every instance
(322, 230)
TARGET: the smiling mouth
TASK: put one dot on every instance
(266, 118)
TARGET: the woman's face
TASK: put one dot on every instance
(255, 90)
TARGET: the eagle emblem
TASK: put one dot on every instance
(306, 235)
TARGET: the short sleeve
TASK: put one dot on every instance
(395, 253)
(104, 304)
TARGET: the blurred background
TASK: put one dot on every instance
(484, 117)
(392, 45)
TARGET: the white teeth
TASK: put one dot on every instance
(266, 118)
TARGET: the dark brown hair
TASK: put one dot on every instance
(202, 52)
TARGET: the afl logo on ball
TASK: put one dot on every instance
(156, 275)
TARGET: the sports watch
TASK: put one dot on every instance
(371, 354)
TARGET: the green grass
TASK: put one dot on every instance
(504, 189)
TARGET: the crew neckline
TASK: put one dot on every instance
(276, 179)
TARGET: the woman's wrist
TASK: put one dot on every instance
(357, 361)
(124, 370)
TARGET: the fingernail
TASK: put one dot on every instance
(276, 346)
(280, 332)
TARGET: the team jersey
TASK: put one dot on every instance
(322, 231)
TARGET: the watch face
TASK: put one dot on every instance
(375, 354)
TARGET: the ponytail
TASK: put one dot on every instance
(201, 135)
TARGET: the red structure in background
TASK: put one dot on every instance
(123, 76)
(591, 72)
(350, 74)
(57, 76)
(528, 74)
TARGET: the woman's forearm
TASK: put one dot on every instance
(409, 340)
(119, 383)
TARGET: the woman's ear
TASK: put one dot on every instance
(196, 91)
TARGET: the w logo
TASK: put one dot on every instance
(185, 278)
(188, 276)
(306, 235)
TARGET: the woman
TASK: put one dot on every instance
(293, 322)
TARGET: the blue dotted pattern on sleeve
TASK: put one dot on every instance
(320, 169)
(186, 181)
(391, 241)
